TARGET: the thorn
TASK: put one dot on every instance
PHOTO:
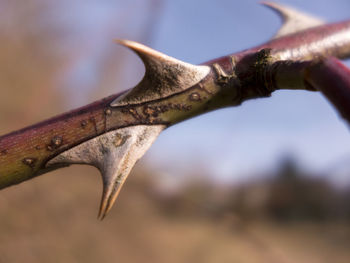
(164, 75)
(147, 54)
(109, 198)
(114, 154)
(293, 19)
(109, 195)
(114, 175)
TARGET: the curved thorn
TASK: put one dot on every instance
(293, 19)
(164, 75)
(147, 54)
(109, 199)
(114, 154)
(109, 195)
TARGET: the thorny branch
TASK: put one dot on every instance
(113, 133)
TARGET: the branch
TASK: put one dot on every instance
(332, 78)
(113, 133)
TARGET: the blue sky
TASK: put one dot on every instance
(237, 142)
(227, 144)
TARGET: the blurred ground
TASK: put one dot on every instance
(283, 216)
(53, 219)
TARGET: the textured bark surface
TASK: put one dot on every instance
(232, 80)
(172, 91)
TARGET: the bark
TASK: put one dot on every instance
(172, 91)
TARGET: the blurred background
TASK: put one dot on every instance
(268, 181)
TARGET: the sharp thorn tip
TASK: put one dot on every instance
(114, 154)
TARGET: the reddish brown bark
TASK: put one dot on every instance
(332, 78)
(23, 153)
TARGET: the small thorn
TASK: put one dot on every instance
(143, 51)
(164, 75)
(293, 19)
